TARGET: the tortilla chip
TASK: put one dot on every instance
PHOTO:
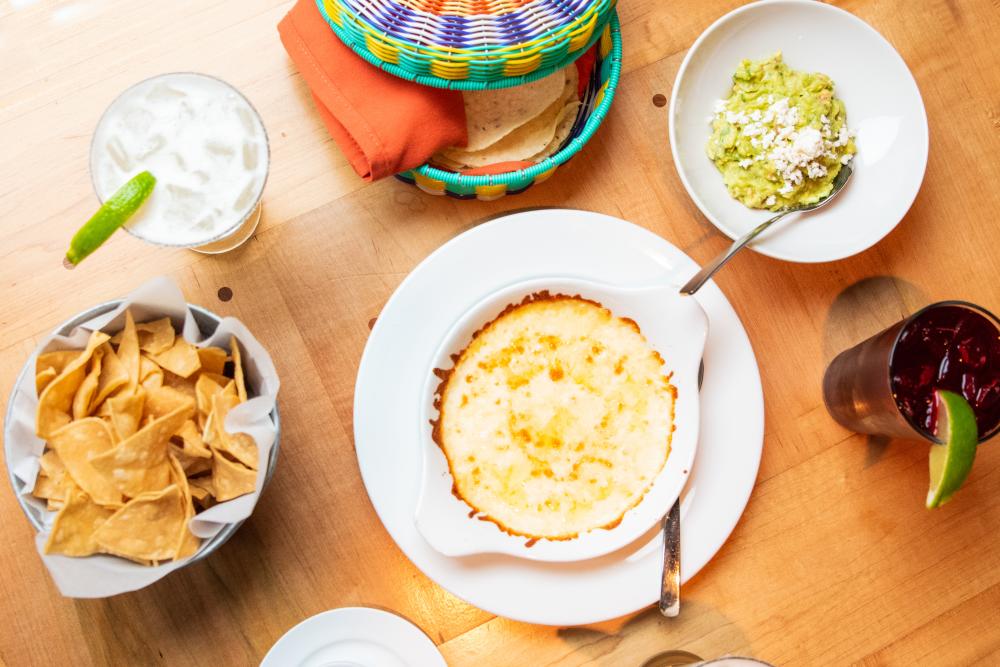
(139, 464)
(77, 444)
(75, 526)
(57, 360)
(161, 401)
(113, 375)
(240, 446)
(55, 504)
(43, 378)
(194, 456)
(53, 482)
(219, 379)
(241, 386)
(213, 359)
(207, 428)
(148, 367)
(179, 383)
(53, 488)
(188, 542)
(230, 479)
(128, 350)
(153, 382)
(148, 528)
(125, 412)
(193, 443)
(205, 388)
(180, 359)
(51, 464)
(201, 488)
(157, 336)
(83, 401)
(192, 465)
(56, 401)
(205, 421)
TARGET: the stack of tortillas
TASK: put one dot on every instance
(528, 122)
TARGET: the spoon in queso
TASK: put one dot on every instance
(670, 582)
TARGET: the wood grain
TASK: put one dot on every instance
(835, 561)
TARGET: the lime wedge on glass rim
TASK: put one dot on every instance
(951, 460)
(118, 208)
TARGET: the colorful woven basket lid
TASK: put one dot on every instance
(468, 44)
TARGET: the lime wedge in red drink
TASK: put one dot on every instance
(118, 208)
(951, 460)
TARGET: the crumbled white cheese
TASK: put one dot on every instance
(770, 201)
(795, 153)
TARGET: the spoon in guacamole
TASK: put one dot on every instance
(709, 270)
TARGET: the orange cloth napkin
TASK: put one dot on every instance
(382, 123)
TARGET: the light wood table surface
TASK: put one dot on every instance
(835, 560)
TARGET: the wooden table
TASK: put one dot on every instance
(835, 560)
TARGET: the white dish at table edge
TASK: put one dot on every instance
(391, 380)
(352, 636)
(674, 325)
(883, 106)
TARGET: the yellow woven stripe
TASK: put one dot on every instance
(427, 184)
(490, 192)
(333, 11)
(384, 52)
(544, 176)
(522, 66)
(599, 97)
(449, 70)
(582, 35)
(606, 42)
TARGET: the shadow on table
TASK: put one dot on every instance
(861, 310)
(864, 308)
(701, 629)
(173, 619)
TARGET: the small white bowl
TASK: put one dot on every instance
(674, 325)
(883, 105)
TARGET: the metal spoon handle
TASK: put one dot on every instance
(670, 587)
(709, 270)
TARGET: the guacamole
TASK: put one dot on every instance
(781, 136)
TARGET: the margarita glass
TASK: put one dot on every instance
(208, 149)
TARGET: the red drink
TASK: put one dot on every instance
(885, 385)
(948, 347)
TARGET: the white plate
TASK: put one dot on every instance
(883, 106)
(673, 324)
(354, 637)
(387, 404)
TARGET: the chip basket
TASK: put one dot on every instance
(207, 321)
(468, 44)
(595, 104)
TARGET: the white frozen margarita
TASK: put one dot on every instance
(207, 148)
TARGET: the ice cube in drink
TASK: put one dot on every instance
(948, 347)
(885, 385)
(207, 148)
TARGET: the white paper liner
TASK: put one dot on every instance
(100, 575)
